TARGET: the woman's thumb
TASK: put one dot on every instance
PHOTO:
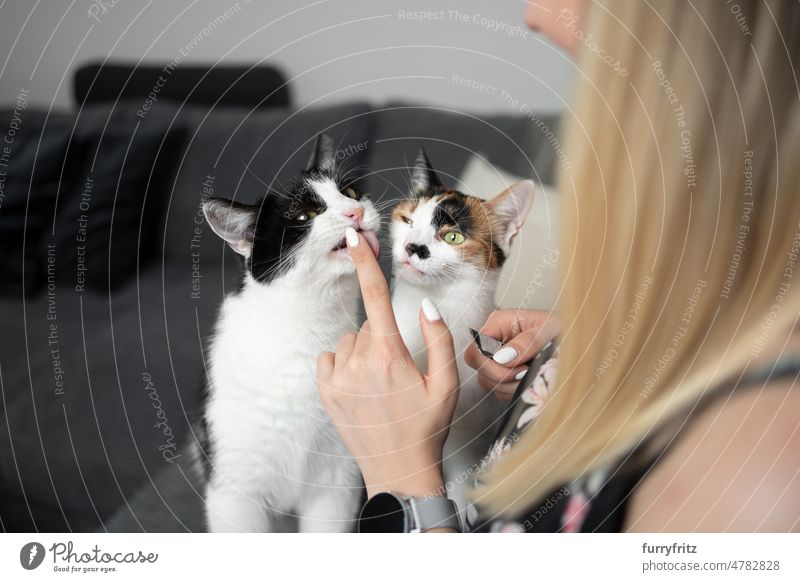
(520, 349)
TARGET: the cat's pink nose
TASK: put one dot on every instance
(356, 214)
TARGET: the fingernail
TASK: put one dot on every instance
(504, 355)
(521, 375)
(430, 310)
(351, 236)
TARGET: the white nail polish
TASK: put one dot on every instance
(430, 310)
(504, 355)
(351, 236)
(521, 375)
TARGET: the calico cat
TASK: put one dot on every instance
(449, 246)
(271, 448)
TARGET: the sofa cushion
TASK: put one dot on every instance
(34, 167)
(515, 143)
(215, 86)
(106, 224)
(94, 407)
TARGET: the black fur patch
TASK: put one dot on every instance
(453, 212)
(279, 232)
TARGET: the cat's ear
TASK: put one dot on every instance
(233, 222)
(423, 177)
(323, 156)
(511, 207)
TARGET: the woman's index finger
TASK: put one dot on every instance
(374, 288)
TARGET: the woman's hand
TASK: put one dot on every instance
(524, 332)
(392, 418)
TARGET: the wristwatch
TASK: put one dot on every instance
(392, 513)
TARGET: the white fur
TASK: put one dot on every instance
(275, 451)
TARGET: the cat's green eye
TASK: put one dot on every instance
(454, 238)
(306, 216)
(350, 193)
(408, 221)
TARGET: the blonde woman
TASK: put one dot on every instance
(675, 404)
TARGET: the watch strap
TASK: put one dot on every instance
(434, 512)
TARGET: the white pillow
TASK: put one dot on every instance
(529, 278)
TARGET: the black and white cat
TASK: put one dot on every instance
(449, 247)
(271, 448)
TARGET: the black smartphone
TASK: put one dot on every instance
(534, 365)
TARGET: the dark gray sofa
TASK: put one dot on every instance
(94, 412)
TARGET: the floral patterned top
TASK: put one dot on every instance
(596, 502)
(573, 501)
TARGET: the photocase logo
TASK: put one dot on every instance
(31, 555)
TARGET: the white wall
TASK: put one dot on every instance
(333, 50)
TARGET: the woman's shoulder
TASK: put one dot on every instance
(735, 468)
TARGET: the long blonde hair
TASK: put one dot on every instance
(680, 226)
